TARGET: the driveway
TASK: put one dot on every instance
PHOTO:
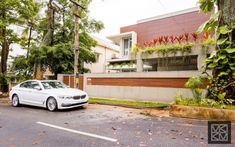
(98, 126)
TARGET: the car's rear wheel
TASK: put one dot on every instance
(15, 101)
(51, 104)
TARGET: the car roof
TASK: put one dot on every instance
(40, 80)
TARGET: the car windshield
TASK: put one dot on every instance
(53, 85)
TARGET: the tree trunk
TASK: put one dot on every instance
(29, 39)
(5, 47)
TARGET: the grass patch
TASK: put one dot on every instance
(127, 103)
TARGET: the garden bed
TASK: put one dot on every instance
(202, 113)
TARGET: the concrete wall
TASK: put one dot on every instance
(137, 93)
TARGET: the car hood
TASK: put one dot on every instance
(65, 91)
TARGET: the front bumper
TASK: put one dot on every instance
(74, 104)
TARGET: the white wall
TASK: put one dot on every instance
(104, 55)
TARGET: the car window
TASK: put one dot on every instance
(33, 84)
(53, 84)
(25, 85)
(29, 84)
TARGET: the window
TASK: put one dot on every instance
(25, 85)
(171, 63)
(29, 84)
(97, 55)
(127, 44)
(34, 84)
(53, 84)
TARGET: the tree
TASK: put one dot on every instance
(58, 48)
(21, 66)
(12, 12)
(222, 61)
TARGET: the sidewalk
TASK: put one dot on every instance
(4, 100)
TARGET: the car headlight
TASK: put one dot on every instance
(65, 97)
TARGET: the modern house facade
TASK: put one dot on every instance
(153, 75)
(172, 24)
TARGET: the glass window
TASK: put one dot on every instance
(171, 63)
(53, 84)
(29, 84)
(34, 84)
(97, 56)
(127, 44)
(25, 85)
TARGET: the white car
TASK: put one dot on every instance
(50, 94)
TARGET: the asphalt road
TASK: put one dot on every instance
(98, 126)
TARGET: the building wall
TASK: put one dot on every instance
(144, 86)
(172, 25)
(105, 54)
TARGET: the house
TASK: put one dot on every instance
(158, 68)
(104, 51)
(171, 24)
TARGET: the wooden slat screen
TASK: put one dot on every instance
(142, 82)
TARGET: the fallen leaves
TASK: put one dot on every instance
(34, 142)
(186, 138)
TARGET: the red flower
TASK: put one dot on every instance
(195, 36)
(186, 37)
(166, 39)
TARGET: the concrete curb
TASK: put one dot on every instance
(202, 113)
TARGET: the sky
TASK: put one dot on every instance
(117, 13)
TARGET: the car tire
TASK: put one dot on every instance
(51, 104)
(15, 101)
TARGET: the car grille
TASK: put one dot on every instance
(79, 97)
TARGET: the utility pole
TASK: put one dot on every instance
(76, 38)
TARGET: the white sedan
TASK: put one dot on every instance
(50, 94)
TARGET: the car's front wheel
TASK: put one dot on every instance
(51, 104)
(15, 101)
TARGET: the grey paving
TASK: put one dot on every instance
(18, 128)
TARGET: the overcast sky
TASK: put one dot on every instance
(117, 13)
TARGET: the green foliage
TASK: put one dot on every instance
(13, 12)
(135, 49)
(170, 49)
(207, 6)
(222, 60)
(55, 51)
(195, 84)
(211, 24)
(204, 102)
(21, 66)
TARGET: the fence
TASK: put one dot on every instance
(142, 86)
(68, 79)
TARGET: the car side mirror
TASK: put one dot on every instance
(37, 87)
